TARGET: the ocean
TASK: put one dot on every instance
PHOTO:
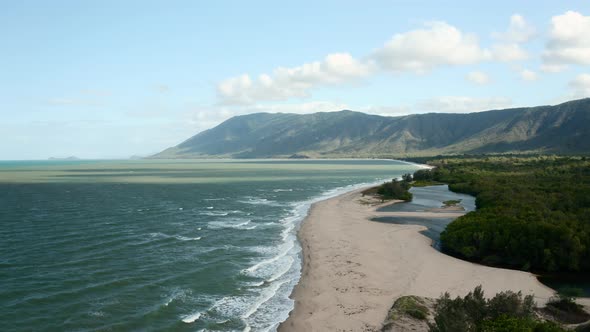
(156, 245)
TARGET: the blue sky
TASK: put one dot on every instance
(111, 79)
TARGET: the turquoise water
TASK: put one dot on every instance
(159, 245)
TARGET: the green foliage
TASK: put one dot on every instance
(510, 324)
(395, 190)
(506, 311)
(411, 305)
(533, 213)
(452, 202)
(423, 175)
(566, 310)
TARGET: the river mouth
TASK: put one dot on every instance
(431, 198)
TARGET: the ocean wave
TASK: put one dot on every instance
(260, 201)
(281, 254)
(283, 271)
(235, 223)
(220, 213)
(175, 295)
(281, 190)
(266, 295)
(178, 237)
(192, 317)
(214, 214)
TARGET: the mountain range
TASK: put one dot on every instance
(563, 128)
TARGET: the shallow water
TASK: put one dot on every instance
(426, 198)
(159, 245)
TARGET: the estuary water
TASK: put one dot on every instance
(154, 245)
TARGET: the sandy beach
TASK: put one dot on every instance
(354, 268)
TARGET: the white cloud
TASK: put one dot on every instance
(580, 86)
(461, 104)
(569, 41)
(444, 104)
(300, 108)
(528, 75)
(285, 83)
(509, 52)
(519, 31)
(436, 44)
(201, 118)
(422, 50)
(546, 68)
(478, 77)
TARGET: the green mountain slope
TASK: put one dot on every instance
(563, 128)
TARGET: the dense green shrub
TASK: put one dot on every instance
(533, 213)
(506, 311)
(395, 190)
(512, 324)
(412, 306)
(566, 310)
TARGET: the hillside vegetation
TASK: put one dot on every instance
(533, 213)
(564, 128)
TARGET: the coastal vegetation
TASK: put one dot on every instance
(411, 305)
(452, 202)
(506, 311)
(533, 212)
(394, 189)
(564, 308)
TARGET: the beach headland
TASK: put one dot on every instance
(354, 268)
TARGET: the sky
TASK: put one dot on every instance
(114, 79)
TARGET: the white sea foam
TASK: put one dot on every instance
(176, 294)
(281, 190)
(283, 252)
(214, 214)
(255, 284)
(192, 317)
(178, 237)
(283, 271)
(260, 201)
(267, 294)
(235, 223)
(185, 238)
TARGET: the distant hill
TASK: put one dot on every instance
(563, 128)
(66, 158)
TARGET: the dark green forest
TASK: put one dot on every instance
(533, 212)
(506, 311)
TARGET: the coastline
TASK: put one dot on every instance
(353, 269)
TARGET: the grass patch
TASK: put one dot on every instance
(426, 183)
(411, 306)
(452, 202)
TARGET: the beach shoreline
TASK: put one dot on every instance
(354, 269)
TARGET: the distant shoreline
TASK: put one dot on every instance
(354, 269)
